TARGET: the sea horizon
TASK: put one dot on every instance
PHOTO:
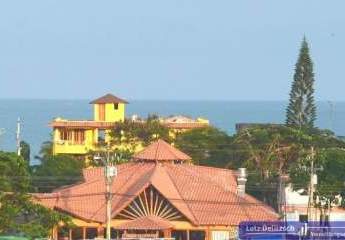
(36, 114)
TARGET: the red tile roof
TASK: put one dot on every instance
(81, 124)
(161, 151)
(186, 125)
(203, 195)
(146, 223)
(108, 98)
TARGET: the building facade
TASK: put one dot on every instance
(296, 208)
(79, 137)
(159, 193)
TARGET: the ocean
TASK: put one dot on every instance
(36, 115)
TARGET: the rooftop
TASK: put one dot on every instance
(161, 151)
(201, 195)
(80, 124)
(108, 98)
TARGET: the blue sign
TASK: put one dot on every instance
(292, 230)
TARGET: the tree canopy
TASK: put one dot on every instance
(131, 134)
(270, 152)
(25, 151)
(56, 171)
(207, 146)
(330, 167)
(301, 111)
(18, 213)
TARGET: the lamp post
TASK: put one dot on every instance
(110, 172)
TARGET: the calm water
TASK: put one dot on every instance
(37, 114)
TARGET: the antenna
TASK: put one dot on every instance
(18, 136)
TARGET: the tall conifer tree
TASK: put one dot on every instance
(301, 111)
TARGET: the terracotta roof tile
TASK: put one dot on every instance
(108, 98)
(204, 200)
(162, 181)
(86, 124)
(204, 195)
(186, 125)
(161, 151)
(146, 223)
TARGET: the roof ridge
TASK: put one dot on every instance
(160, 150)
(190, 210)
(156, 152)
(99, 209)
(170, 150)
(133, 196)
(108, 98)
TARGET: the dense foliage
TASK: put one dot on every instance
(208, 146)
(56, 171)
(25, 151)
(271, 152)
(267, 153)
(330, 167)
(301, 111)
(131, 134)
(18, 213)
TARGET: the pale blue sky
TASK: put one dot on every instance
(165, 49)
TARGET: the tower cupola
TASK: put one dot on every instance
(109, 108)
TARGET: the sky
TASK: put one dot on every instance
(168, 50)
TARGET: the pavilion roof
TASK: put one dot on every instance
(161, 151)
(203, 195)
(108, 98)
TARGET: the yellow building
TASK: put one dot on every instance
(78, 137)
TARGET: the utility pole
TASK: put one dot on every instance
(109, 173)
(311, 190)
(18, 136)
(312, 183)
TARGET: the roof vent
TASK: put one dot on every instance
(241, 181)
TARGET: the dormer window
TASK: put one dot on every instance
(116, 106)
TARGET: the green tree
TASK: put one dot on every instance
(272, 151)
(131, 134)
(18, 213)
(267, 152)
(25, 151)
(56, 171)
(45, 152)
(330, 189)
(208, 146)
(301, 111)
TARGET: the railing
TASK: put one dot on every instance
(68, 142)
